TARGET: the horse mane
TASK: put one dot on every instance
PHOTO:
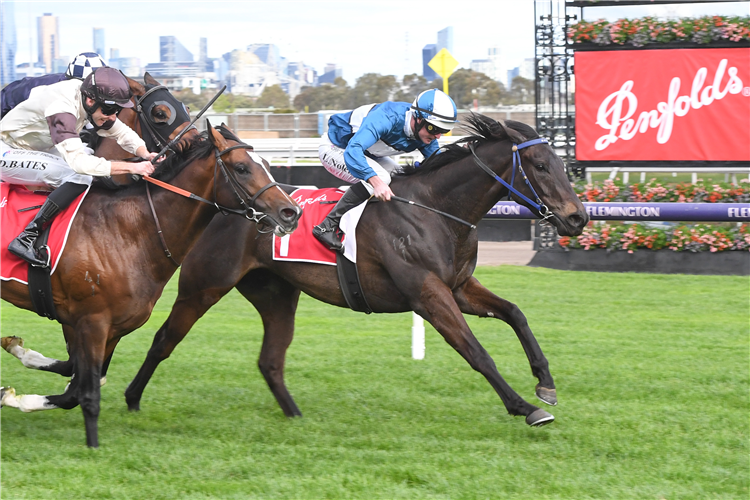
(482, 129)
(187, 150)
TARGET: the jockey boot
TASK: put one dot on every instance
(59, 199)
(327, 232)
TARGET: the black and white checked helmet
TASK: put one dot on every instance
(83, 64)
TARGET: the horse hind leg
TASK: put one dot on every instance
(473, 298)
(26, 402)
(35, 360)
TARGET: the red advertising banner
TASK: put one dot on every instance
(663, 105)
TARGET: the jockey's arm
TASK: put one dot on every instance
(76, 155)
(354, 156)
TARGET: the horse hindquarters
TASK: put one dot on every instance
(440, 309)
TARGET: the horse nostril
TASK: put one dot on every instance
(288, 214)
(577, 220)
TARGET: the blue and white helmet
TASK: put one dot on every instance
(83, 65)
(437, 108)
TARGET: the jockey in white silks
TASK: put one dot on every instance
(40, 145)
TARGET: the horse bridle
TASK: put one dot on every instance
(238, 189)
(249, 211)
(538, 205)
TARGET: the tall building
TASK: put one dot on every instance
(8, 42)
(99, 41)
(428, 52)
(49, 40)
(203, 61)
(445, 39)
(330, 73)
(171, 50)
(494, 66)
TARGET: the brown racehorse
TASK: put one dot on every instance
(158, 120)
(114, 243)
(409, 259)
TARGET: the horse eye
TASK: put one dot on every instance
(540, 166)
(241, 168)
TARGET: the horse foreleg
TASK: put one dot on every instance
(185, 312)
(438, 306)
(88, 350)
(473, 298)
(277, 305)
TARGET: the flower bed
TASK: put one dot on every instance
(650, 30)
(680, 238)
(652, 191)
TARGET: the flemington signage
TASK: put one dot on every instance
(698, 212)
(663, 105)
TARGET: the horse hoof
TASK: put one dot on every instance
(539, 417)
(545, 395)
(9, 342)
(6, 392)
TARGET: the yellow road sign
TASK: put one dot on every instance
(443, 64)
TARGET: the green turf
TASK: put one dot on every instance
(651, 370)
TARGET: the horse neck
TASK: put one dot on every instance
(466, 190)
(183, 219)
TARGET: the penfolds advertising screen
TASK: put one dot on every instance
(663, 105)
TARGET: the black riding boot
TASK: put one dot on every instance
(327, 232)
(59, 199)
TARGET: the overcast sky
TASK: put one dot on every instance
(378, 36)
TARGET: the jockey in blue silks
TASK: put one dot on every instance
(358, 145)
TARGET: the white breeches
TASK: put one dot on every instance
(36, 168)
(332, 158)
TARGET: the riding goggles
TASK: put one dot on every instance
(109, 109)
(432, 129)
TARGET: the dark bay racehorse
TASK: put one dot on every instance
(409, 259)
(107, 282)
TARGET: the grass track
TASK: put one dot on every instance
(651, 370)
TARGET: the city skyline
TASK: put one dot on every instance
(387, 43)
(356, 38)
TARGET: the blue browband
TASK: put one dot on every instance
(538, 205)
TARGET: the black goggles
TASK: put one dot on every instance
(433, 130)
(109, 109)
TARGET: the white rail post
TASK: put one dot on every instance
(417, 336)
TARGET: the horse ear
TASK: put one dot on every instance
(150, 80)
(215, 137)
(135, 87)
(512, 134)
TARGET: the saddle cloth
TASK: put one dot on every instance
(14, 198)
(301, 245)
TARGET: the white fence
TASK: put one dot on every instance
(304, 151)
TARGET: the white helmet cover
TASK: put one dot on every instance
(83, 64)
(437, 108)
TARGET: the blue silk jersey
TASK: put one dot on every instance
(375, 130)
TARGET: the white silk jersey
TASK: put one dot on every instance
(50, 121)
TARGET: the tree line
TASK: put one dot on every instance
(466, 87)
